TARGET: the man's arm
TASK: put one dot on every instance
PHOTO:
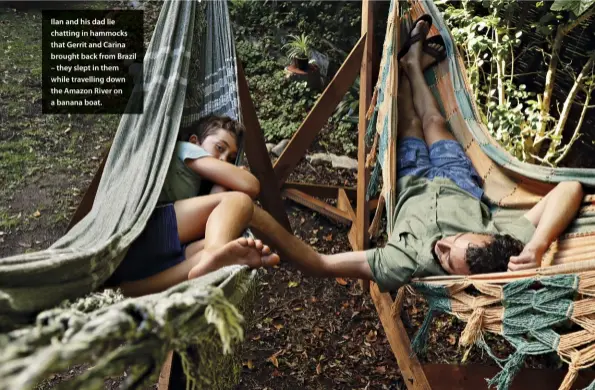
(551, 216)
(303, 256)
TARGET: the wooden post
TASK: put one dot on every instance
(411, 369)
(365, 96)
(258, 157)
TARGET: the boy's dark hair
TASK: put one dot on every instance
(208, 125)
(494, 256)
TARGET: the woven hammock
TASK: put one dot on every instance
(189, 71)
(530, 309)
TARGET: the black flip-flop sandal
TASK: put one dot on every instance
(412, 39)
(439, 55)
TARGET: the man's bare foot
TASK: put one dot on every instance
(243, 251)
(413, 58)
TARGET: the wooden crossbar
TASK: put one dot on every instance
(321, 207)
(321, 190)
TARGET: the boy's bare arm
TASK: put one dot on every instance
(551, 215)
(226, 175)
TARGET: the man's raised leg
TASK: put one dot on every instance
(409, 123)
(433, 123)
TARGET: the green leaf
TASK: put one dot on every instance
(577, 7)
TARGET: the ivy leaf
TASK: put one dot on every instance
(577, 7)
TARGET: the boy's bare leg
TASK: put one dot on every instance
(225, 223)
(348, 264)
(409, 123)
(433, 123)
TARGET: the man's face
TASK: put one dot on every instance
(451, 251)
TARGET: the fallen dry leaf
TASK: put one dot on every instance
(380, 369)
(318, 332)
(37, 214)
(273, 359)
(371, 336)
(249, 364)
(279, 326)
(341, 281)
(292, 284)
(452, 339)
(318, 369)
(329, 237)
(313, 300)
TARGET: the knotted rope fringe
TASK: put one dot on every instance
(473, 328)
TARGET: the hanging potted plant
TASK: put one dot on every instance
(299, 50)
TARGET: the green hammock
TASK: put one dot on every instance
(189, 71)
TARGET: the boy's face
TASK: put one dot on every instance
(221, 144)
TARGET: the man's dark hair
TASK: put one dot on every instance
(494, 256)
(208, 125)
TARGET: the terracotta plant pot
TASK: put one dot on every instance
(301, 63)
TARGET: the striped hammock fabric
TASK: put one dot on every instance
(189, 70)
(525, 306)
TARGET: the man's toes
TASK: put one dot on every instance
(242, 241)
(266, 250)
(250, 242)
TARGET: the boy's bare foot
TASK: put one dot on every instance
(243, 251)
(413, 58)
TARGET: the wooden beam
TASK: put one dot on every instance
(320, 113)
(411, 369)
(343, 203)
(87, 203)
(362, 221)
(172, 375)
(258, 157)
(324, 191)
(320, 190)
(318, 205)
(472, 377)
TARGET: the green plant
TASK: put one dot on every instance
(521, 119)
(346, 118)
(299, 46)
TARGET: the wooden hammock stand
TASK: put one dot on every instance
(363, 61)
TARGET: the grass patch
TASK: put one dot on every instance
(9, 221)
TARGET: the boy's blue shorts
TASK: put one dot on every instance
(156, 249)
(445, 158)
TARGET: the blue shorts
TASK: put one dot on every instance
(156, 249)
(445, 158)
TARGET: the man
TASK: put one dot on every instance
(441, 224)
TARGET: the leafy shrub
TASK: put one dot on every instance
(281, 104)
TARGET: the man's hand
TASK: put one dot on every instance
(529, 258)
